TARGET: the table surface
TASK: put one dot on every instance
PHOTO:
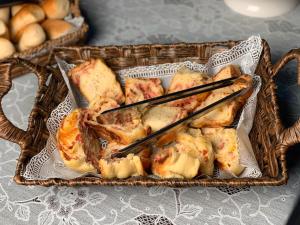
(157, 21)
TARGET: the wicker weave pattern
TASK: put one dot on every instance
(269, 139)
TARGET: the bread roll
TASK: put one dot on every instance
(184, 79)
(56, 9)
(7, 48)
(94, 78)
(3, 30)
(30, 13)
(77, 144)
(16, 8)
(4, 14)
(139, 89)
(30, 36)
(57, 28)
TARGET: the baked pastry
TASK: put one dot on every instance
(30, 36)
(4, 14)
(188, 156)
(28, 14)
(225, 145)
(57, 28)
(78, 144)
(100, 104)
(227, 72)
(225, 114)
(56, 9)
(132, 165)
(123, 127)
(7, 48)
(16, 8)
(4, 33)
(199, 147)
(160, 116)
(139, 89)
(184, 79)
(94, 78)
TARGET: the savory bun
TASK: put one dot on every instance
(7, 48)
(225, 145)
(16, 8)
(94, 78)
(227, 72)
(56, 9)
(100, 104)
(28, 14)
(160, 116)
(174, 162)
(198, 146)
(30, 36)
(57, 28)
(184, 79)
(225, 114)
(4, 14)
(4, 33)
(139, 89)
(123, 127)
(73, 137)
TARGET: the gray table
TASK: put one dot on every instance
(148, 21)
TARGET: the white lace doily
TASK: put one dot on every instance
(48, 164)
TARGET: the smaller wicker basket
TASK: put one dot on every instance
(40, 53)
(270, 140)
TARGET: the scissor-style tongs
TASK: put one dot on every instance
(138, 145)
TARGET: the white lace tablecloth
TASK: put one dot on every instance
(119, 22)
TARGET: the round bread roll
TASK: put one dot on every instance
(30, 13)
(56, 9)
(30, 36)
(4, 14)
(7, 48)
(3, 30)
(16, 8)
(57, 28)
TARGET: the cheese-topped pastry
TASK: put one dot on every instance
(225, 145)
(184, 79)
(223, 115)
(78, 144)
(160, 116)
(123, 126)
(139, 89)
(94, 78)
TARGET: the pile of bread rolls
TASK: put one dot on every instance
(28, 25)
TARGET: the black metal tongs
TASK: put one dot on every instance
(138, 145)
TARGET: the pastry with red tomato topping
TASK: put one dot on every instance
(225, 145)
(94, 78)
(139, 89)
(78, 145)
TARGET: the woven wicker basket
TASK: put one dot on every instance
(40, 53)
(269, 139)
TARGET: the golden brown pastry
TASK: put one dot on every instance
(30, 36)
(16, 8)
(4, 33)
(4, 14)
(132, 165)
(123, 127)
(184, 79)
(28, 14)
(225, 114)
(100, 104)
(78, 144)
(139, 89)
(7, 48)
(57, 28)
(227, 72)
(160, 116)
(56, 9)
(225, 145)
(94, 78)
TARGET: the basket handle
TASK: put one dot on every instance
(9, 131)
(289, 136)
